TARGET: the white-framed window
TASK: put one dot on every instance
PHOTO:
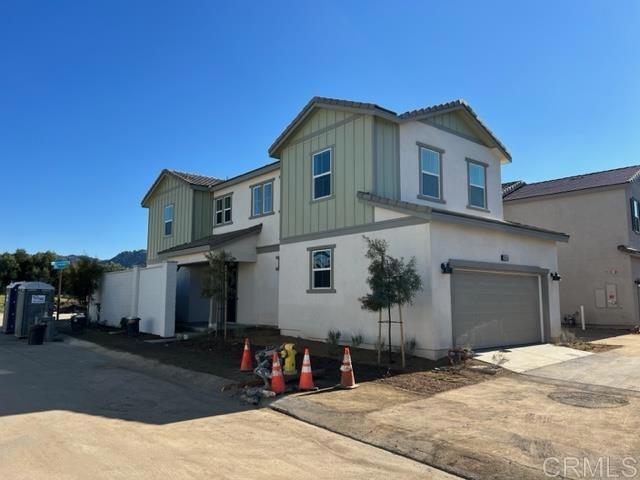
(321, 166)
(168, 219)
(477, 184)
(262, 199)
(321, 269)
(635, 215)
(223, 210)
(430, 173)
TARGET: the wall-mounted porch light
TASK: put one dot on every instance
(637, 282)
(446, 268)
(555, 276)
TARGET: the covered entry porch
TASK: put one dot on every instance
(251, 277)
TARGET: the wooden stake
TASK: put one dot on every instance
(401, 335)
(59, 293)
(379, 335)
(225, 301)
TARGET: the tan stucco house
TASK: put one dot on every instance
(600, 267)
(428, 181)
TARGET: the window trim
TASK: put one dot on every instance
(440, 152)
(635, 203)
(165, 221)
(486, 197)
(272, 181)
(331, 288)
(330, 173)
(215, 210)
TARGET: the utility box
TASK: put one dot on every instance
(34, 302)
(10, 304)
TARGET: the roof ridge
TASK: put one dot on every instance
(589, 174)
(182, 172)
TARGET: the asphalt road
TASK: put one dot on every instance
(71, 410)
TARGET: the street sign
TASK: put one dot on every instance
(60, 264)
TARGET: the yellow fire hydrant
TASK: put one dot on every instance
(288, 355)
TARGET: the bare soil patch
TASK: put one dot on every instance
(589, 347)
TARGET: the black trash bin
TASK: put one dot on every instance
(36, 333)
(132, 326)
(78, 323)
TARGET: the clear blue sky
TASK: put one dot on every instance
(96, 97)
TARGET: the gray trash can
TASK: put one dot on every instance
(51, 332)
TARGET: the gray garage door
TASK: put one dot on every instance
(494, 309)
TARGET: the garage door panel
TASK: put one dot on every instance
(493, 309)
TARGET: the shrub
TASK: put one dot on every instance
(333, 337)
(357, 339)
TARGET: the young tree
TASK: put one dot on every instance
(392, 282)
(215, 285)
(81, 278)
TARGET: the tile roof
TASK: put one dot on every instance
(196, 179)
(386, 113)
(509, 187)
(617, 176)
(217, 240)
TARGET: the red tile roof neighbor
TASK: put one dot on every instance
(618, 176)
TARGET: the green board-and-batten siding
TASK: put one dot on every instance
(176, 192)
(351, 138)
(386, 159)
(202, 214)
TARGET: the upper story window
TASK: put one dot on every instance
(168, 219)
(322, 174)
(430, 172)
(223, 210)
(321, 275)
(477, 184)
(262, 199)
(635, 215)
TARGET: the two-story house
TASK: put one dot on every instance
(600, 267)
(427, 181)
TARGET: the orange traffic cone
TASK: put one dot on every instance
(347, 379)
(245, 364)
(306, 376)
(277, 379)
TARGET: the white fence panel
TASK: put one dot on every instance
(148, 293)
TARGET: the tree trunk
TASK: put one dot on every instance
(389, 313)
(211, 314)
(379, 335)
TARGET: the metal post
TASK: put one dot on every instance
(59, 292)
(582, 318)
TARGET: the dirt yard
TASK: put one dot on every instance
(208, 355)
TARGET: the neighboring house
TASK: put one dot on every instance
(427, 181)
(600, 267)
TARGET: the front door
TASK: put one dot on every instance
(232, 291)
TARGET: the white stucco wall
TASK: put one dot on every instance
(454, 169)
(258, 291)
(148, 293)
(311, 315)
(597, 222)
(241, 209)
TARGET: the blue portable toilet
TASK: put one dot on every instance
(10, 307)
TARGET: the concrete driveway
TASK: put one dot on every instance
(618, 368)
(72, 411)
(525, 359)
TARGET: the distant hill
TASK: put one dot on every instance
(129, 258)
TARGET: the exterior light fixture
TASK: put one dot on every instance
(555, 276)
(446, 268)
(637, 282)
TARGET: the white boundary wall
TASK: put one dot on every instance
(148, 293)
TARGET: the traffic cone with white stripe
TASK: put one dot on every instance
(306, 375)
(347, 379)
(277, 379)
(245, 364)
